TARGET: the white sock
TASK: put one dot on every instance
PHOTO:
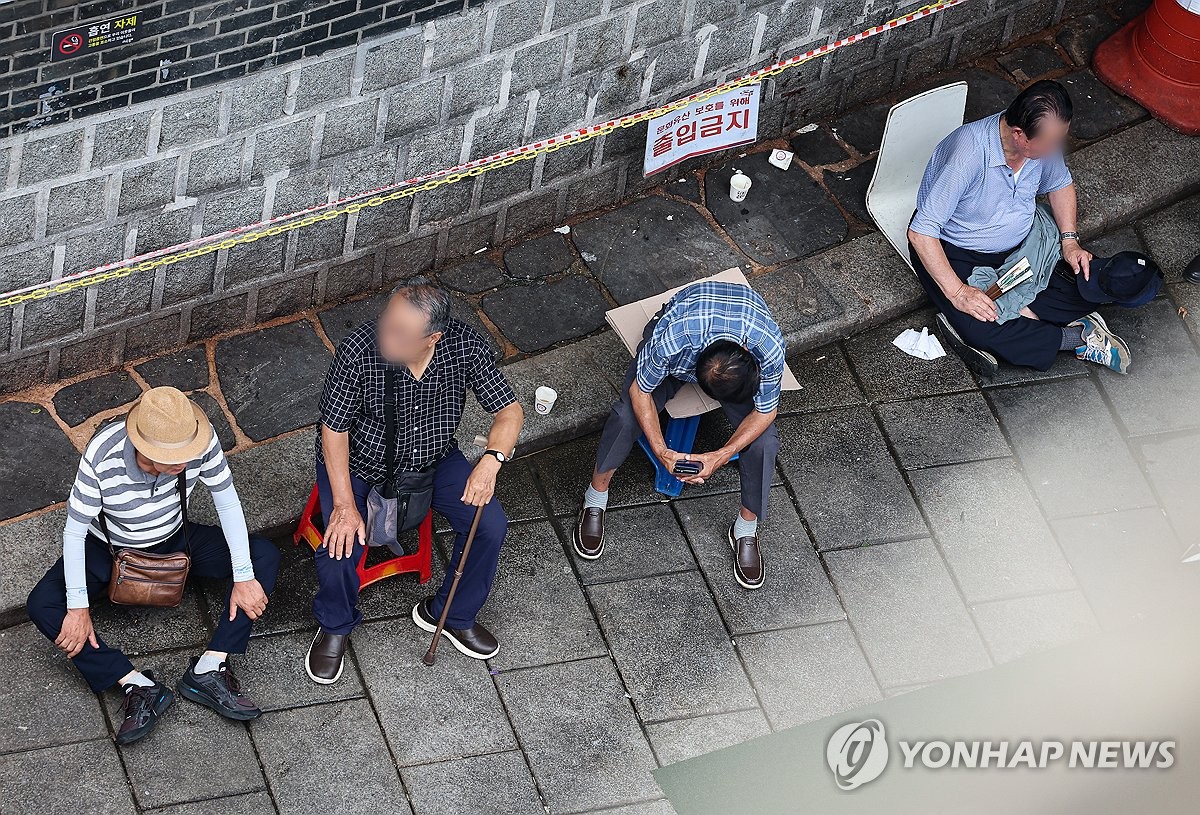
(209, 661)
(743, 528)
(134, 680)
(595, 498)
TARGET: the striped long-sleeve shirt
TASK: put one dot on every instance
(142, 509)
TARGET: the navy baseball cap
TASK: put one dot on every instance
(1129, 279)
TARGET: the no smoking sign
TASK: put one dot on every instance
(83, 39)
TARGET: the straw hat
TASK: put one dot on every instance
(167, 427)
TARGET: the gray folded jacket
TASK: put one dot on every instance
(1041, 246)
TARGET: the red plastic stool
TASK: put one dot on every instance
(420, 561)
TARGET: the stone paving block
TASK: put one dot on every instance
(682, 739)
(825, 382)
(1173, 466)
(33, 781)
(186, 369)
(868, 279)
(32, 670)
(987, 93)
(1172, 238)
(499, 782)
(1110, 195)
(40, 452)
(140, 630)
(800, 303)
(1127, 564)
(28, 547)
(850, 189)
(212, 409)
(1097, 111)
(942, 430)
(862, 128)
(446, 712)
(1030, 61)
(1080, 36)
(887, 372)
(295, 746)
(804, 674)
(533, 576)
(640, 541)
(990, 530)
(817, 147)
(1062, 431)
(272, 378)
(1119, 240)
(845, 481)
(580, 734)
(472, 277)
(903, 605)
(194, 753)
(539, 316)
(671, 647)
(254, 803)
(1024, 625)
(516, 490)
(1187, 296)
(796, 590)
(785, 215)
(635, 251)
(1162, 388)
(272, 672)
(341, 321)
(77, 403)
(539, 257)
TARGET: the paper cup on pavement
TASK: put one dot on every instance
(543, 399)
(739, 185)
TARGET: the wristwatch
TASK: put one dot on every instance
(1068, 236)
(499, 456)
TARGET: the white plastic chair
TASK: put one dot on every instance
(913, 129)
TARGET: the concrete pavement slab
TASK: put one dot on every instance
(640, 541)
(33, 780)
(942, 430)
(681, 739)
(1018, 626)
(497, 782)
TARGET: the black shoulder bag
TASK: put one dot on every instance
(404, 498)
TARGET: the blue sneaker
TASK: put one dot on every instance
(1101, 345)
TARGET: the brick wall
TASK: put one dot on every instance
(88, 191)
(181, 45)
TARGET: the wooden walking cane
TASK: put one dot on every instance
(431, 655)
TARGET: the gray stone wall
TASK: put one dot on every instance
(120, 183)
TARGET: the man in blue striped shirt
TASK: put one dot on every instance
(127, 494)
(721, 336)
(975, 206)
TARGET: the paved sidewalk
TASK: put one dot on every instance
(922, 526)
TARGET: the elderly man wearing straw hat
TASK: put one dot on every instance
(131, 493)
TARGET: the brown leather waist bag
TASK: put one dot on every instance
(148, 578)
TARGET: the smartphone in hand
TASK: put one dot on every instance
(685, 467)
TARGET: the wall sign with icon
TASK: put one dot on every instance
(84, 39)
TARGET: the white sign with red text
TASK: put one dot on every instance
(717, 123)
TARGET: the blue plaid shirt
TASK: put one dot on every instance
(969, 197)
(698, 316)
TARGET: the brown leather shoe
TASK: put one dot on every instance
(747, 561)
(325, 658)
(588, 534)
(476, 642)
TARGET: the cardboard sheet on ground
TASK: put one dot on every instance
(630, 320)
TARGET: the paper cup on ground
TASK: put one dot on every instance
(780, 158)
(543, 399)
(739, 185)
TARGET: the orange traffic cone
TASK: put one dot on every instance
(1155, 60)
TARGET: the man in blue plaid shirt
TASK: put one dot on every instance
(720, 336)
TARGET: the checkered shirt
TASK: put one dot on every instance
(698, 316)
(428, 410)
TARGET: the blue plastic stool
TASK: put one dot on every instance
(680, 435)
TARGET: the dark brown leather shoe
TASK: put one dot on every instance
(747, 561)
(476, 642)
(324, 661)
(588, 535)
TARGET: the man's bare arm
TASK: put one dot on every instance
(506, 427)
(967, 299)
(1063, 204)
(344, 522)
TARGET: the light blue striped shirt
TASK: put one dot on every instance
(698, 316)
(969, 196)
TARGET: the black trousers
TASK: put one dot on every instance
(103, 666)
(1021, 341)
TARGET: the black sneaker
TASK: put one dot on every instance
(142, 706)
(218, 690)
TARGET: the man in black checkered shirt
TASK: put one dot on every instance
(434, 359)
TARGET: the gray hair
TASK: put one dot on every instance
(427, 297)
